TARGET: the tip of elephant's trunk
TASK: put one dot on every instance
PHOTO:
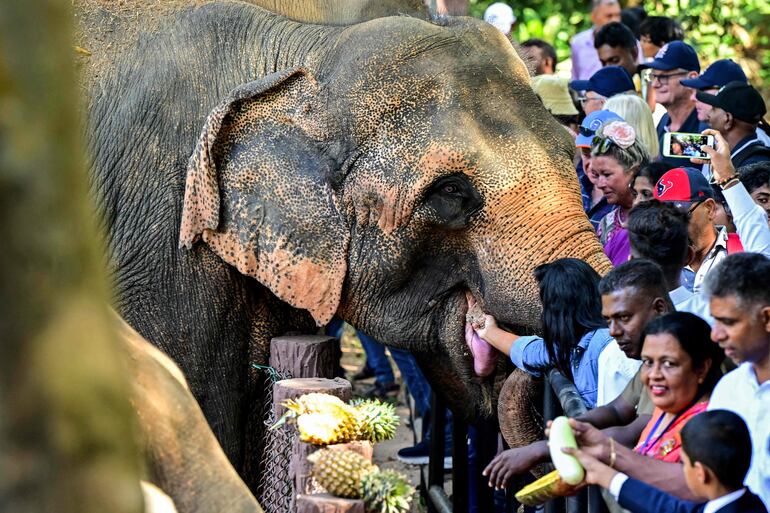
(484, 355)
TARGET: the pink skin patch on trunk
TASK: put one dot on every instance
(484, 355)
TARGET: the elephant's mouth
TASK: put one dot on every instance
(484, 355)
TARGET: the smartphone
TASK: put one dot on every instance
(685, 146)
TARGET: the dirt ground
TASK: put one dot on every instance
(384, 452)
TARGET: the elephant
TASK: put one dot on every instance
(256, 175)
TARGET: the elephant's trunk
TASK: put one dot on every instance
(541, 222)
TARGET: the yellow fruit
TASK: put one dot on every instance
(341, 472)
(544, 489)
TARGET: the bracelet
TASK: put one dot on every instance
(727, 181)
(613, 454)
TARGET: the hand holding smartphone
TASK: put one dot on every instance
(686, 145)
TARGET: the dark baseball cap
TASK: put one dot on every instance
(608, 82)
(674, 55)
(720, 73)
(683, 186)
(739, 99)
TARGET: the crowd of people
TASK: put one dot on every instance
(683, 218)
(670, 351)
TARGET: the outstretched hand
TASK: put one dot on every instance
(596, 472)
(508, 464)
(483, 330)
(721, 165)
(590, 440)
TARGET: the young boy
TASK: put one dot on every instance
(716, 449)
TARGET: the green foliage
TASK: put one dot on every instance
(718, 29)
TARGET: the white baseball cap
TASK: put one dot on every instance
(501, 16)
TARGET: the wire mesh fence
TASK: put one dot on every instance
(275, 491)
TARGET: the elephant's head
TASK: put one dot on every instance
(404, 165)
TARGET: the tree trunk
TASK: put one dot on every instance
(66, 438)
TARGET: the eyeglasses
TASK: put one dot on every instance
(693, 208)
(585, 99)
(663, 79)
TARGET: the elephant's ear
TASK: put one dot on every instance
(256, 192)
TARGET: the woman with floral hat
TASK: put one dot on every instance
(616, 154)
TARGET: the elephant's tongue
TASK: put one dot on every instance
(484, 355)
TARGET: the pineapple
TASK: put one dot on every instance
(386, 492)
(344, 473)
(340, 472)
(377, 421)
(322, 419)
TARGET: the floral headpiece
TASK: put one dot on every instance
(619, 133)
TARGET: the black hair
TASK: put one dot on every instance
(548, 49)
(632, 17)
(743, 275)
(616, 34)
(720, 440)
(754, 176)
(638, 274)
(661, 30)
(658, 231)
(653, 171)
(571, 307)
(694, 337)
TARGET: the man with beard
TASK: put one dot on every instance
(633, 294)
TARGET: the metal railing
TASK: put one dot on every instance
(560, 396)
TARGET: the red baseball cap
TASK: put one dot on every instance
(683, 185)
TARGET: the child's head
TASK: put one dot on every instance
(717, 450)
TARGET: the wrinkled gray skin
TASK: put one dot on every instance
(257, 175)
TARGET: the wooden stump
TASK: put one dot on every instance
(303, 356)
(293, 388)
(298, 466)
(323, 503)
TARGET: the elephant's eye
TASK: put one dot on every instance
(451, 188)
(454, 200)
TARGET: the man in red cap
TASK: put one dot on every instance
(689, 191)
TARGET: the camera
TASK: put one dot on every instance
(684, 145)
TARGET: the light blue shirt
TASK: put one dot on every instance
(530, 355)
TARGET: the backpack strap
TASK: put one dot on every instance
(734, 244)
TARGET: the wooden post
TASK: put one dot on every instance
(297, 468)
(293, 388)
(323, 503)
(303, 356)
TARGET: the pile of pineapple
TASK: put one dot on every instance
(324, 419)
(345, 473)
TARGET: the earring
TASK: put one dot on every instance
(700, 381)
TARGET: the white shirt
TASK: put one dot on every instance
(739, 392)
(712, 506)
(750, 220)
(615, 371)
(697, 304)
(679, 295)
(751, 225)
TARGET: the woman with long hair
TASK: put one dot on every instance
(574, 331)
